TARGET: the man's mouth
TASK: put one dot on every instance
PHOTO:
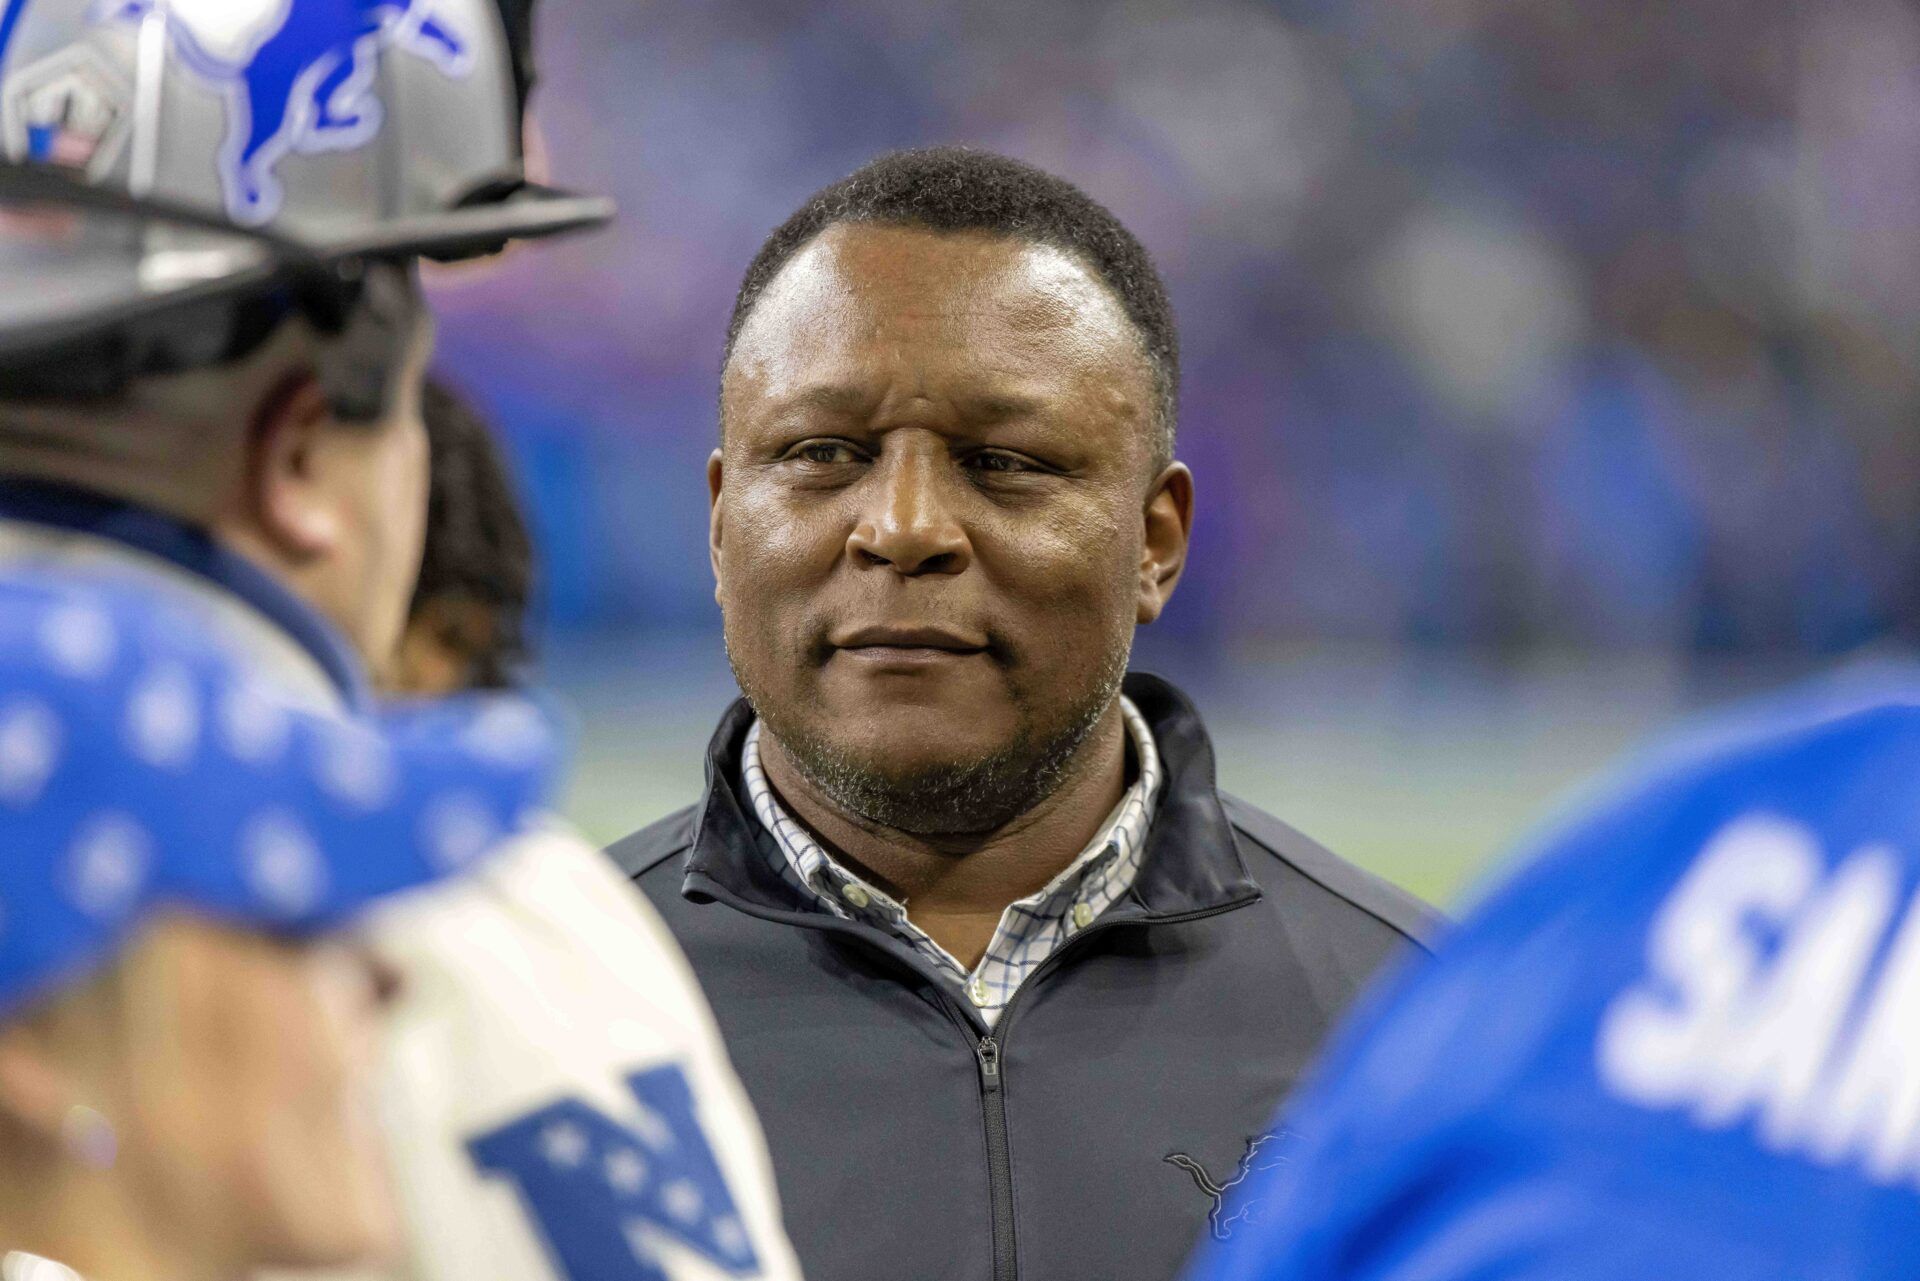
(907, 644)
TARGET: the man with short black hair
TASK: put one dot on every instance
(1012, 986)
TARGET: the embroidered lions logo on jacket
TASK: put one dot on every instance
(1233, 1204)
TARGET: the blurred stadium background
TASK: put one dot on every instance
(1550, 367)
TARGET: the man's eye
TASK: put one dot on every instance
(824, 451)
(999, 463)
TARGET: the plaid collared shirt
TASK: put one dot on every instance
(1029, 930)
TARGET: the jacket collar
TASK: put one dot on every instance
(1192, 864)
(194, 552)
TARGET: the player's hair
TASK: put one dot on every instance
(478, 550)
(964, 189)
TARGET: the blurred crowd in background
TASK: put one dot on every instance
(1551, 368)
(1505, 322)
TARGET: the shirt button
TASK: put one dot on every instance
(1082, 916)
(977, 991)
(855, 895)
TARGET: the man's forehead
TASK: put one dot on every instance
(859, 288)
(877, 255)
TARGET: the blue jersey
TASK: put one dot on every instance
(1683, 1044)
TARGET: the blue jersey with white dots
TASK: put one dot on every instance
(142, 766)
(1682, 1044)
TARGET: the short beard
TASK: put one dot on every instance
(971, 798)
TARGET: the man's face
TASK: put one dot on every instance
(936, 518)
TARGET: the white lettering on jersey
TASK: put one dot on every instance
(1873, 1111)
(1657, 1040)
(1761, 1002)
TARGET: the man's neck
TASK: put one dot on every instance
(957, 887)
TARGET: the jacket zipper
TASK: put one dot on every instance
(988, 1052)
(993, 1102)
(999, 1160)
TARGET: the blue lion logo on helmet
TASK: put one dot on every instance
(307, 85)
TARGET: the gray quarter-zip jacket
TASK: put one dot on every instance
(1107, 1121)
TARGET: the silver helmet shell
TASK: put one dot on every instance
(323, 130)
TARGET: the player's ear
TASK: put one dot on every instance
(715, 477)
(288, 499)
(1168, 520)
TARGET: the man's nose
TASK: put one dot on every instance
(908, 523)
